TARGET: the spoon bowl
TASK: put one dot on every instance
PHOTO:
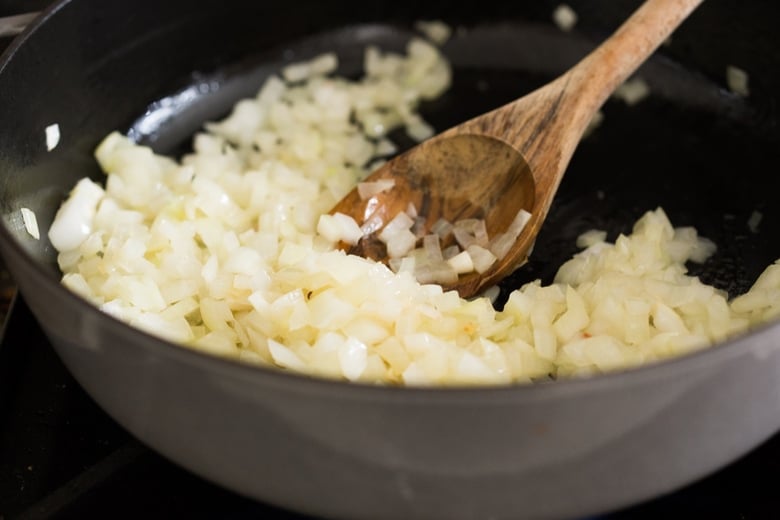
(510, 159)
(463, 176)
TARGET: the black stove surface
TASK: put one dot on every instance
(61, 456)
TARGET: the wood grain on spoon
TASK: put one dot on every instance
(513, 157)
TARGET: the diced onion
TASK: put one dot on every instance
(52, 136)
(738, 81)
(435, 30)
(462, 263)
(481, 257)
(30, 223)
(366, 190)
(754, 221)
(565, 17)
(632, 91)
(339, 228)
(591, 237)
(231, 251)
(432, 248)
(74, 220)
(442, 227)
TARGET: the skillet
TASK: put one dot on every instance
(564, 448)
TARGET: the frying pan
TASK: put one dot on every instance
(158, 70)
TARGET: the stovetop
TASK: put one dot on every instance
(62, 456)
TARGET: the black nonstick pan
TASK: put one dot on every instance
(570, 448)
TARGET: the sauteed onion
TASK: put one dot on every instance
(225, 251)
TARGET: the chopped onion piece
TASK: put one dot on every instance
(432, 248)
(73, 222)
(594, 123)
(399, 243)
(397, 237)
(503, 242)
(564, 17)
(439, 272)
(52, 136)
(284, 357)
(339, 227)
(481, 234)
(470, 231)
(367, 190)
(442, 227)
(386, 147)
(31, 223)
(482, 258)
(738, 81)
(353, 355)
(296, 72)
(632, 91)
(449, 252)
(754, 221)
(324, 64)
(401, 222)
(318, 66)
(418, 129)
(492, 293)
(591, 237)
(418, 228)
(395, 263)
(435, 30)
(462, 263)
(519, 222)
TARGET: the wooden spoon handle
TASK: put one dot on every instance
(598, 75)
(553, 118)
(546, 125)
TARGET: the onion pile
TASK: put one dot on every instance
(225, 251)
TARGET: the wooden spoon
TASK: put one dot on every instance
(513, 157)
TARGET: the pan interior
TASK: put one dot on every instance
(691, 147)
